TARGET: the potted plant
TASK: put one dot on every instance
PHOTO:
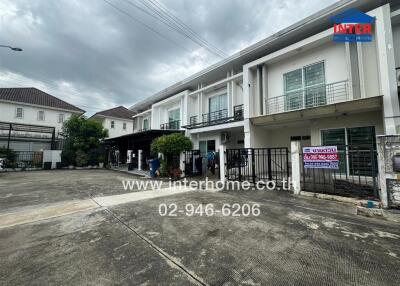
(101, 160)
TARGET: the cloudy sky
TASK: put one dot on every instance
(97, 54)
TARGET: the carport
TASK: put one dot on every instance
(136, 141)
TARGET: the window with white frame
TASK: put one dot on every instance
(305, 87)
(112, 124)
(40, 115)
(19, 112)
(218, 102)
(124, 126)
(145, 124)
(61, 118)
(174, 116)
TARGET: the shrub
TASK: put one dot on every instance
(172, 144)
(81, 158)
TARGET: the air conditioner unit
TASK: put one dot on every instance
(224, 137)
(398, 77)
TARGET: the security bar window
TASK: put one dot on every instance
(40, 115)
(60, 118)
(19, 112)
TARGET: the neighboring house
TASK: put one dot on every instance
(32, 118)
(118, 121)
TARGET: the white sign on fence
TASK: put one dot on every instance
(322, 157)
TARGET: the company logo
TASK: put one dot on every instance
(352, 26)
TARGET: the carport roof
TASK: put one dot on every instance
(144, 135)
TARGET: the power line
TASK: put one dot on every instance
(181, 23)
(144, 24)
(161, 13)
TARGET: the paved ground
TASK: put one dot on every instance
(293, 241)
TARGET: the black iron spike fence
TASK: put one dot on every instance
(193, 163)
(357, 175)
(257, 164)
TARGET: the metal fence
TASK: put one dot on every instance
(257, 164)
(25, 159)
(193, 163)
(315, 96)
(357, 175)
(173, 125)
(216, 117)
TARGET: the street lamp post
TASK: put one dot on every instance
(12, 48)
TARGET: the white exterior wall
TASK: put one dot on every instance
(118, 126)
(159, 110)
(30, 115)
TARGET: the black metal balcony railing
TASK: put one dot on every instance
(216, 117)
(172, 125)
(309, 97)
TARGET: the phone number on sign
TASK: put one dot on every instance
(209, 210)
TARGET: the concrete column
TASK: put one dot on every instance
(265, 89)
(380, 146)
(140, 159)
(387, 69)
(295, 149)
(222, 166)
(229, 95)
(182, 163)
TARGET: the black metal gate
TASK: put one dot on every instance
(357, 175)
(193, 163)
(257, 164)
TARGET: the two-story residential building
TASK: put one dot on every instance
(118, 121)
(31, 119)
(296, 85)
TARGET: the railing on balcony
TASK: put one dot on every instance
(172, 125)
(309, 97)
(216, 117)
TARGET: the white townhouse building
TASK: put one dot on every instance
(118, 121)
(31, 120)
(297, 83)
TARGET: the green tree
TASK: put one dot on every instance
(82, 136)
(170, 145)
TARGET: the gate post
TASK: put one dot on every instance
(140, 160)
(383, 194)
(222, 163)
(182, 163)
(296, 171)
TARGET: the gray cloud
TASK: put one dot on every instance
(91, 55)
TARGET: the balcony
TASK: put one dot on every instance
(310, 97)
(216, 117)
(172, 125)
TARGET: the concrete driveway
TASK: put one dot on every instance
(292, 242)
